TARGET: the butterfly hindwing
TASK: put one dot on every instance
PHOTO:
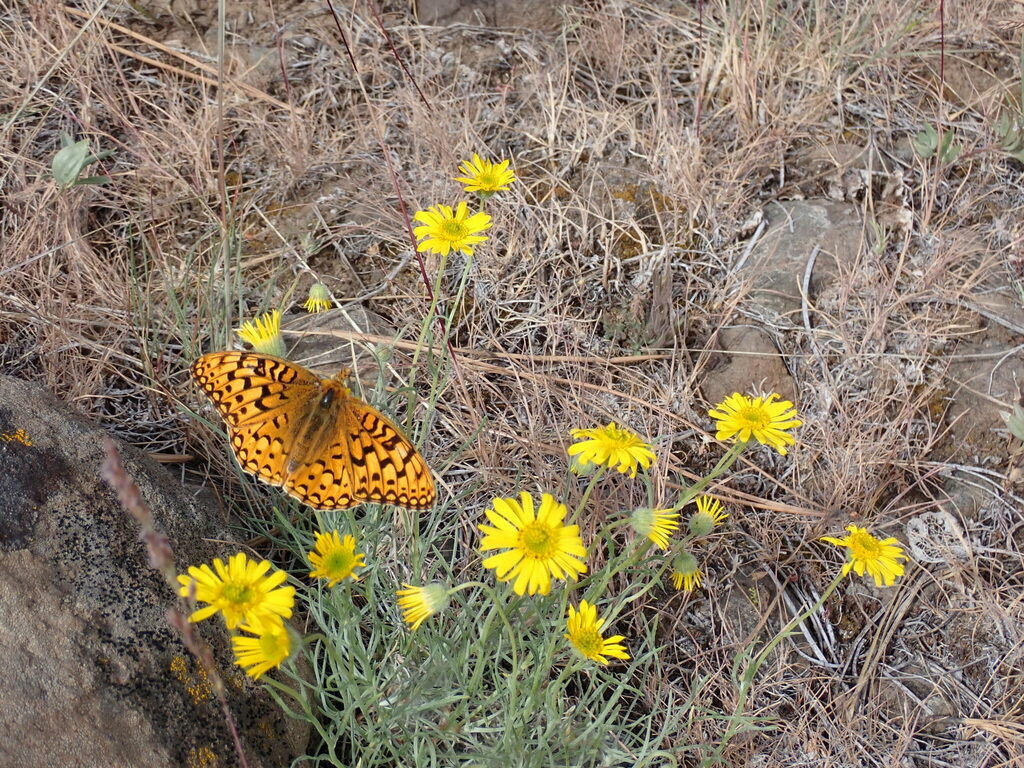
(261, 451)
(369, 459)
(323, 483)
(385, 465)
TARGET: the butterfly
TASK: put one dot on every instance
(310, 436)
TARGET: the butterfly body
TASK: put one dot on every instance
(310, 436)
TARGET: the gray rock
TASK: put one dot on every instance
(779, 258)
(982, 380)
(93, 673)
(750, 363)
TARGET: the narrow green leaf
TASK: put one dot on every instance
(93, 180)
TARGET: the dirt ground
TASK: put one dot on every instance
(736, 196)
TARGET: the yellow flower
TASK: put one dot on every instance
(880, 558)
(686, 573)
(264, 333)
(420, 603)
(656, 524)
(334, 559)
(612, 445)
(760, 418)
(537, 546)
(484, 176)
(585, 635)
(241, 591)
(267, 650)
(444, 230)
(709, 515)
(319, 299)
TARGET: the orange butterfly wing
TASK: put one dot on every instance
(309, 436)
(261, 398)
(369, 459)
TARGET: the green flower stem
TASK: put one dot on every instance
(557, 686)
(626, 599)
(544, 655)
(498, 608)
(746, 682)
(683, 542)
(586, 494)
(724, 463)
(597, 582)
(428, 319)
(609, 528)
(450, 319)
(277, 689)
(596, 588)
(469, 585)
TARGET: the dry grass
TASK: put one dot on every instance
(623, 212)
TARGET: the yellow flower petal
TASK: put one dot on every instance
(613, 446)
(760, 418)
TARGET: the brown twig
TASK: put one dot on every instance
(394, 52)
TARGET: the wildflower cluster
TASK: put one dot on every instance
(263, 332)
(250, 596)
(742, 419)
(444, 229)
(253, 599)
(533, 546)
(615, 447)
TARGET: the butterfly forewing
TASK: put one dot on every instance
(330, 453)
(247, 387)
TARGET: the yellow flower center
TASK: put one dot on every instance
(453, 229)
(538, 540)
(237, 594)
(338, 562)
(619, 438)
(273, 645)
(864, 546)
(754, 418)
(589, 641)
